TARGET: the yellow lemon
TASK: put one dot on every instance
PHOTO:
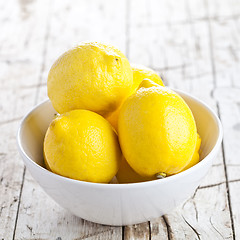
(157, 131)
(126, 174)
(82, 145)
(140, 72)
(195, 157)
(91, 76)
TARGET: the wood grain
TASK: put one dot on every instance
(138, 231)
(20, 53)
(199, 217)
(185, 62)
(226, 36)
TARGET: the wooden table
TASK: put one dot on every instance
(193, 44)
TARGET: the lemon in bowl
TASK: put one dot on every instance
(118, 204)
(157, 131)
(140, 72)
(92, 76)
(82, 145)
(126, 174)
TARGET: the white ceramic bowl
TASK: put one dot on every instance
(118, 204)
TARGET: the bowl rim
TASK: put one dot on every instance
(125, 185)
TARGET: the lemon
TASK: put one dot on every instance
(195, 157)
(91, 76)
(82, 145)
(140, 72)
(157, 131)
(126, 174)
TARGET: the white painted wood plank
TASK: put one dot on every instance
(20, 53)
(21, 38)
(226, 50)
(137, 231)
(159, 229)
(146, 40)
(11, 173)
(197, 10)
(154, 13)
(223, 8)
(226, 36)
(181, 52)
(230, 116)
(69, 24)
(200, 217)
(234, 188)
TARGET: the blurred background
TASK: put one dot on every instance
(194, 45)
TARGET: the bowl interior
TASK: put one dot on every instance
(35, 124)
(208, 124)
(33, 130)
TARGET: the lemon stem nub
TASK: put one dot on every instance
(161, 175)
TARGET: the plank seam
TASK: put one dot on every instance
(194, 230)
(44, 53)
(210, 220)
(35, 102)
(95, 234)
(19, 202)
(211, 49)
(227, 182)
(233, 181)
(168, 227)
(212, 185)
(218, 110)
(218, 184)
(150, 231)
